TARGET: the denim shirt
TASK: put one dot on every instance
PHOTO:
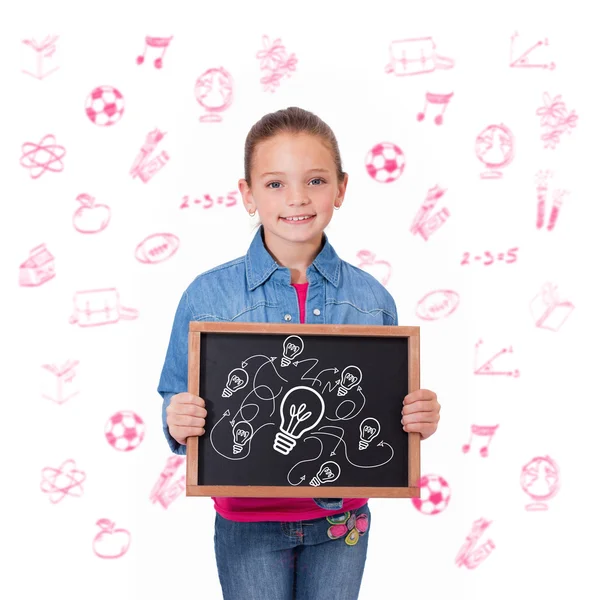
(255, 289)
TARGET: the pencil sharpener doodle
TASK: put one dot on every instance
(156, 248)
(437, 305)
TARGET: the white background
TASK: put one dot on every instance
(342, 49)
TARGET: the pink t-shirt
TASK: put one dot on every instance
(281, 509)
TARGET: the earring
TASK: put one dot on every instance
(337, 207)
(252, 213)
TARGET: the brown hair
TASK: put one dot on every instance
(290, 120)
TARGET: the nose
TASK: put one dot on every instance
(297, 196)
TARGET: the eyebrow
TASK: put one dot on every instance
(281, 173)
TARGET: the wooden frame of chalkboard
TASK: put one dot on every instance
(403, 342)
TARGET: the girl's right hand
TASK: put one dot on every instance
(185, 416)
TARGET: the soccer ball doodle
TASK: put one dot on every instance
(124, 430)
(105, 105)
(435, 495)
(385, 162)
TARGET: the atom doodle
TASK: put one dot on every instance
(45, 156)
(66, 480)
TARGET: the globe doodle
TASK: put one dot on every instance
(540, 480)
(124, 431)
(435, 495)
(494, 147)
(214, 92)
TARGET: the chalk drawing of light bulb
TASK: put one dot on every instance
(242, 432)
(369, 429)
(351, 377)
(292, 346)
(301, 409)
(328, 472)
(236, 380)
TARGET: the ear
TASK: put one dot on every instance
(247, 197)
(341, 191)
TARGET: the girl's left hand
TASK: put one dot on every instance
(421, 413)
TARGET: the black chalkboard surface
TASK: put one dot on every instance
(303, 410)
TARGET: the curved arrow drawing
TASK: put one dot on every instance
(334, 427)
(346, 452)
(306, 460)
(245, 361)
(350, 416)
(315, 363)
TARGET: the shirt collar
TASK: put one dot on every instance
(260, 265)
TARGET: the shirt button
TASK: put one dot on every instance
(288, 317)
(316, 312)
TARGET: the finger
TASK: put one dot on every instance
(419, 406)
(420, 418)
(425, 429)
(419, 395)
(184, 432)
(186, 398)
(186, 421)
(188, 409)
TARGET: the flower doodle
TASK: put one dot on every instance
(555, 120)
(348, 523)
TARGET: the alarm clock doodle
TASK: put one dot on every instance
(294, 400)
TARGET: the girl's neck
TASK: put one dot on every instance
(297, 257)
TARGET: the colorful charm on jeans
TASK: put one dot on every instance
(348, 524)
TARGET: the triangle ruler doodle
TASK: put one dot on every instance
(523, 60)
(495, 364)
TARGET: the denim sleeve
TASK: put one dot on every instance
(173, 378)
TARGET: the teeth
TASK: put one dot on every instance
(296, 218)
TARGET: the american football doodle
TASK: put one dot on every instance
(156, 248)
(437, 304)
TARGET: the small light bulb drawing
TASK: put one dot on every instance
(301, 409)
(236, 380)
(328, 472)
(351, 377)
(369, 429)
(292, 346)
(242, 432)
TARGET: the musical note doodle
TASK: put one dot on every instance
(155, 42)
(441, 100)
(482, 431)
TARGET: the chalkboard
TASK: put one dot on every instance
(303, 410)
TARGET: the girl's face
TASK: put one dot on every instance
(293, 176)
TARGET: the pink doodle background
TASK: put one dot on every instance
(470, 137)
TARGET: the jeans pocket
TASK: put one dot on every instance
(329, 503)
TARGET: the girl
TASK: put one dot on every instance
(273, 548)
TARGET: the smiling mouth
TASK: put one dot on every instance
(298, 219)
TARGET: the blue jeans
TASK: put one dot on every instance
(297, 560)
